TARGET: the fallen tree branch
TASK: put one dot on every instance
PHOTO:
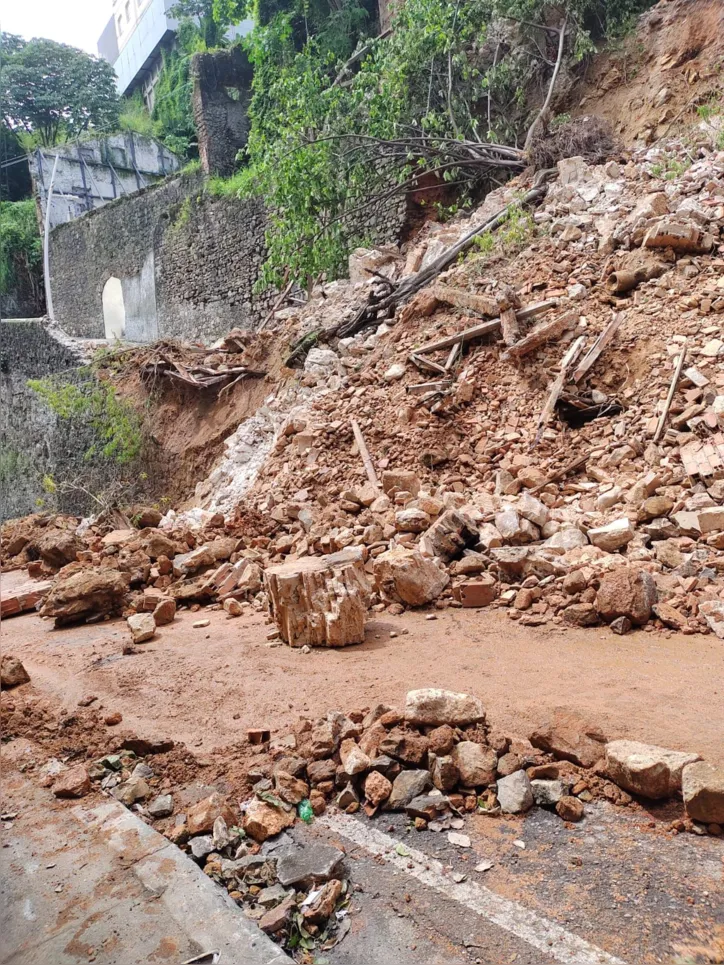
(546, 103)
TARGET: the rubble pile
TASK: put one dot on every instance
(555, 459)
(539, 430)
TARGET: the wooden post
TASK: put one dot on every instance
(670, 396)
(365, 454)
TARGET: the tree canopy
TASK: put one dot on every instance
(54, 92)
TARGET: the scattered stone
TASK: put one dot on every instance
(406, 786)
(263, 820)
(161, 807)
(570, 737)
(12, 672)
(111, 720)
(645, 769)
(72, 782)
(626, 592)
(476, 764)
(437, 707)
(405, 576)
(613, 536)
(702, 787)
(515, 794)
(200, 817)
(570, 808)
(164, 612)
(547, 793)
(142, 627)
(322, 908)
(377, 788)
(312, 864)
(459, 840)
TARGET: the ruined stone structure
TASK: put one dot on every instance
(170, 261)
(167, 262)
(222, 91)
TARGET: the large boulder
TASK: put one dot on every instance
(405, 576)
(626, 592)
(88, 591)
(12, 672)
(432, 707)
(59, 546)
(569, 737)
(702, 787)
(645, 769)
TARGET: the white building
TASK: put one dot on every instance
(134, 38)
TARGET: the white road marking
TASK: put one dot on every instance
(545, 935)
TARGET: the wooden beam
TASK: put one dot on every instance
(510, 326)
(598, 346)
(567, 361)
(365, 454)
(483, 304)
(543, 333)
(485, 328)
(670, 396)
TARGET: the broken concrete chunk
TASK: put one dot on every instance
(702, 787)
(161, 807)
(645, 769)
(681, 237)
(515, 794)
(626, 592)
(613, 536)
(405, 576)
(547, 793)
(435, 707)
(309, 865)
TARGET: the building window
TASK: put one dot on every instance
(120, 25)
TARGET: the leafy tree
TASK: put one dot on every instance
(53, 91)
(211, 18)
(21, 250)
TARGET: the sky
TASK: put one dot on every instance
(75, 22)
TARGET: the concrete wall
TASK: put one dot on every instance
(91, 173)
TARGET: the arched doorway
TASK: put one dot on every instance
(114, 312)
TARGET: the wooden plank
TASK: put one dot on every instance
(577, 463)
(598, 346)
(423, 387)
(510, 326)
(365, 454)
(543, 333)
(427, 364)
(670, 396)
(483, 304)
(452, 358)
(567, 361)
(477, 331)
(537, 308)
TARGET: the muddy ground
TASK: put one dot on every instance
(205, 687)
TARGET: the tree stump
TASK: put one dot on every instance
(320, 600)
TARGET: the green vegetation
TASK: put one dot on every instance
(670, 168)
(51, 92)
(21, 249)
(343, 118)
(115, 424)
(512, 236)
